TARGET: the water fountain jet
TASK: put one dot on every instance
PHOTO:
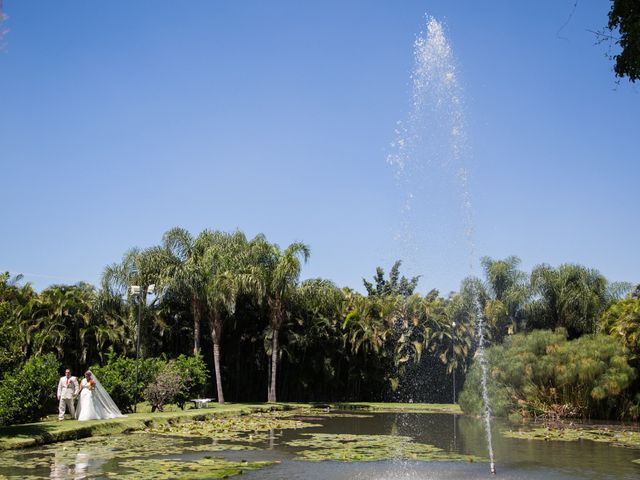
(435, 130)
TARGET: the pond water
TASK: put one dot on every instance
(399, 446)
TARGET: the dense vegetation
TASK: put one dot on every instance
(544, 374)
(624, 19)
(237, 305)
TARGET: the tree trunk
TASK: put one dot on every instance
(268, 381)
(215, 336)
(195, 310)
(274, 366)
(216, 363)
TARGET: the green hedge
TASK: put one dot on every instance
(28, 393)
(118, 377)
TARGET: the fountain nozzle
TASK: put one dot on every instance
(493, 468)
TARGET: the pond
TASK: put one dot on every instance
(315, 444)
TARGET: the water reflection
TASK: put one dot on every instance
(59, 468)
(80, 466)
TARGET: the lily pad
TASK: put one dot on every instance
(142, 469)
(256, 427)
(617, 437)
(366, 448)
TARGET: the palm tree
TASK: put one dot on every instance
(143, 268)
(569, 296)
(13, 298)
(230, 272)
(313, 346)
(509, 290)
(280, 278)
(111, 328)
(188, 272)
(368, 327)
(61, 320)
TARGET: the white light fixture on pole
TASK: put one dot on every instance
(135, 291)
(453, 350)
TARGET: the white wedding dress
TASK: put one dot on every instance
(95, 404)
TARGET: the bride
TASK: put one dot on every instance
(95, 403)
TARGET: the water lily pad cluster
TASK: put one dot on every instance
(142, 469)
(136, 454)
(363, 448)
(616, 437)
(246, 428)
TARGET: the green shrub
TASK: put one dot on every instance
(194, 374)
(543, 374)
(29, 392)
(118, 377)
(178, 381)
(164, 389)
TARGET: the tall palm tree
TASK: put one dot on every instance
(230, 272)
(280, 278)
(188, 272)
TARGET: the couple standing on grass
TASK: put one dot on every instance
(94, 402)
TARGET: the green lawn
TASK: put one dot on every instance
(51, 430)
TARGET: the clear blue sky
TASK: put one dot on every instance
(121, 119)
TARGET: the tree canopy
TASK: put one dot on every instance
(624, 18)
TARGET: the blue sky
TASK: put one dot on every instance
(120, 120)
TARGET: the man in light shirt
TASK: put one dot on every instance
(67, 390)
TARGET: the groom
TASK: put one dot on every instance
(67, 389)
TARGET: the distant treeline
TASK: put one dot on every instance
(265, 335)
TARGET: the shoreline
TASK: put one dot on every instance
(53, 431)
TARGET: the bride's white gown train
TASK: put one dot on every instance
(95, 404)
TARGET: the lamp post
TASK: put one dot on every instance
(453, 345)
(136, 291)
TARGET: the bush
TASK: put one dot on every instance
(29, 392)
(118, 377)
(194, 374)
(178, 381)
(543, 374)
(165, 389)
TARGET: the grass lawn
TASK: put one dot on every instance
(51, 430)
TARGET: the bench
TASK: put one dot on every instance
(201, 402)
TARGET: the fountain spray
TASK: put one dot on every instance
(436, 126)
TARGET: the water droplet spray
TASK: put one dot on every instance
(435, 130)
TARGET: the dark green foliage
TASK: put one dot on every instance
(622, 321)
(395, 285)
(118, 376)
(542, 373)
(13, 299)
(28, 393)
(624, 17)
(569, 296)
